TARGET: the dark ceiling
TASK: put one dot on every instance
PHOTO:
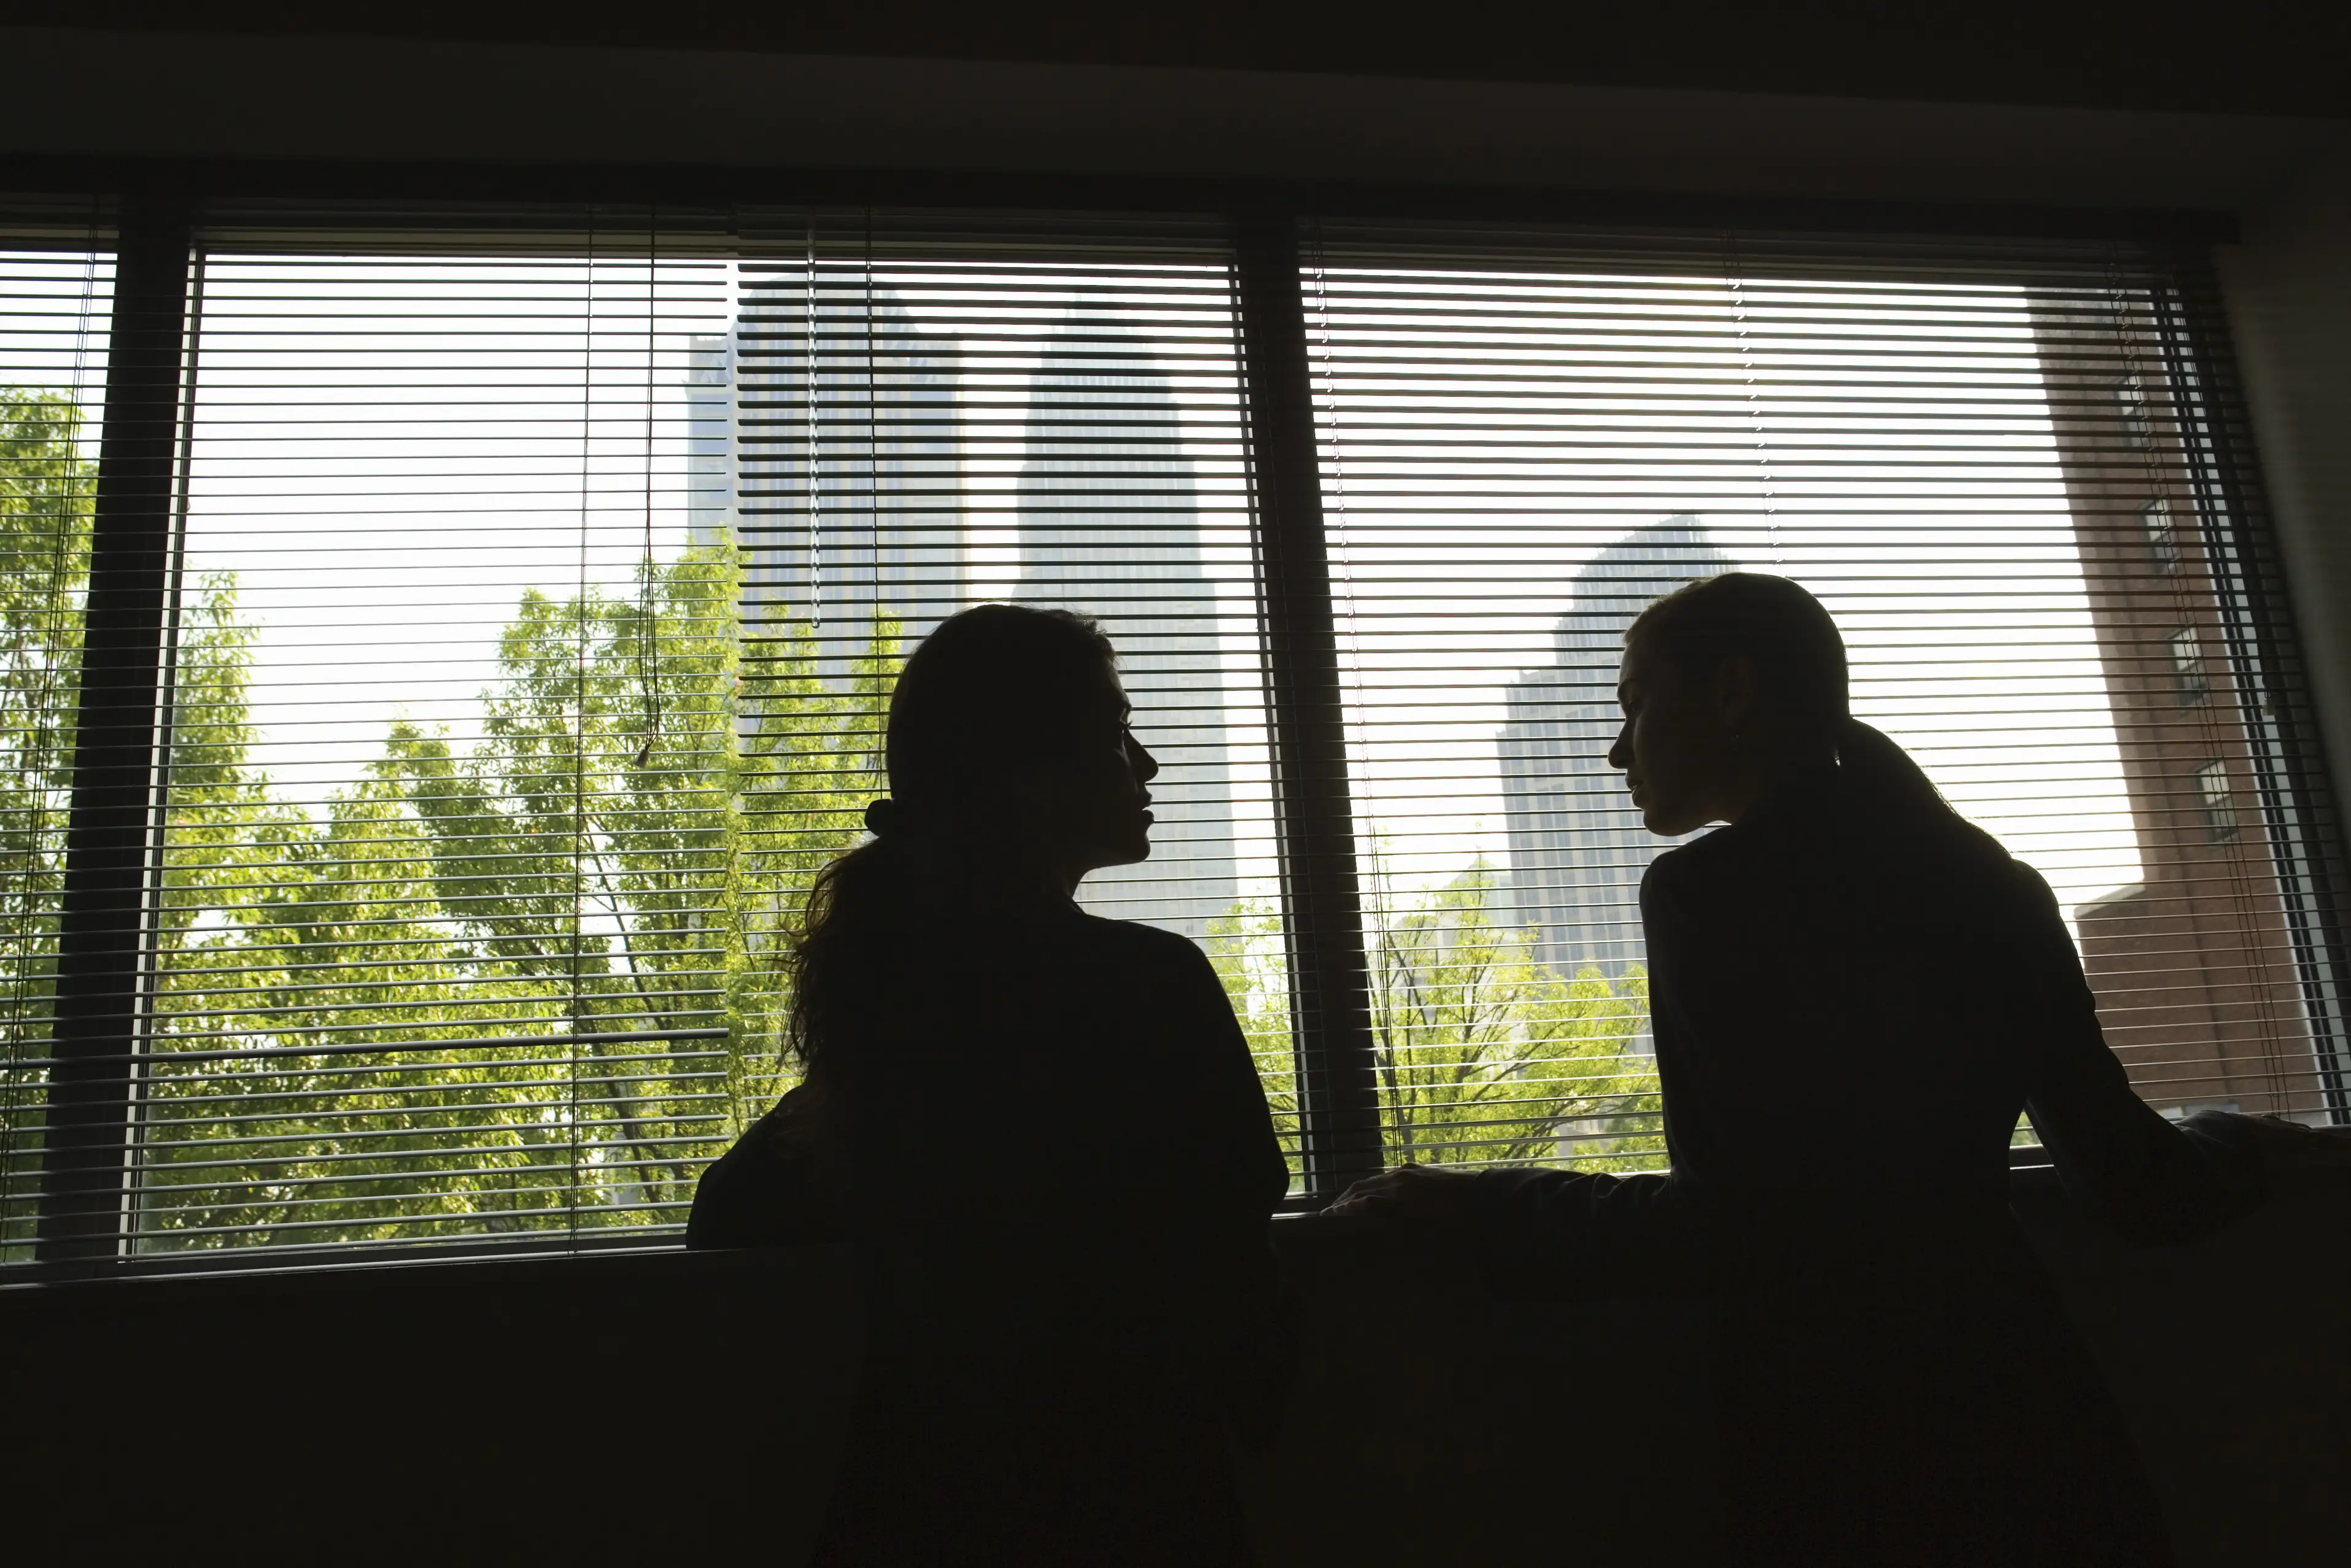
(2242, 56)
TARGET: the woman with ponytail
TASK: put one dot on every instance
(1041, 1132)
(1854, 993)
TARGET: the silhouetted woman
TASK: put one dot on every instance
(1854, 993)
(1041, 1130)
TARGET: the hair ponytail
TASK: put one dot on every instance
(1885, 774)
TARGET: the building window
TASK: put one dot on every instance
(2214, 798)
(2131, 408)
(2187, 677)
(2162, 535)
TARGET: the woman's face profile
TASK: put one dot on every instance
(1675, 746)
(1108, 810)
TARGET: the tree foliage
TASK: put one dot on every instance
(527, 981)
(561, 937)
(47, 486)
(1483, 1054)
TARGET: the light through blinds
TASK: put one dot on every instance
(439, 945)
(537, 601)
(926, 420)
(522, 594)
(1982, 469)
(55, 304)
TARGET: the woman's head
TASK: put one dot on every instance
(1012, 774)
(1732, 684)
(1008, 732)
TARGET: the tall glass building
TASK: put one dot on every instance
(1105, 517)
(1577, 846)
(876, 531)
(1110, 525)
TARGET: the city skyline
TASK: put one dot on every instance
(1105, 522)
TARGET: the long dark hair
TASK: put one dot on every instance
(1800, 662)
(990, 699)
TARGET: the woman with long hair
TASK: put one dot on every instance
(1042, 1131)
(1896, 1381)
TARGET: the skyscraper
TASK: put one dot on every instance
(822, 435)
(1577, 846)
(1110, 525)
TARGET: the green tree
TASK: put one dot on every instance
(48, 484)
(1250, 951)
(1486, 1056)
(631, 837)
(599, 881)
(1483, 1054)
(47, 487)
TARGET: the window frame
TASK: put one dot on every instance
(141, 463)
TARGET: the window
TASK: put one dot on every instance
(2131, 412)
(2188, 665)
(536, 598)
(2162, 537)
(1524, 441)
(534, 582)
(2216, 801)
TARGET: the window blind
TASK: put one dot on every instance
(438, 946)
(1996, 468)
(55, 301)
(536, 594)
(534, 580)
(930, 414)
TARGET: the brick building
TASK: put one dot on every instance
(2194, 965)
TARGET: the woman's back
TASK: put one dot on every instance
(1877, 985)
(1047, 1140)
(1068, 1119)
(1909, 995)
(1849, 1022)
(1060, 1182)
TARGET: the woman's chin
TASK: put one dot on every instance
(1132, 851)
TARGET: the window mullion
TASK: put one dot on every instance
(2290, 775)
(1314, 813)
(85, 1158)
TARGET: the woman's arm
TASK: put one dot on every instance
(2155, 1183)
(1235, 1113)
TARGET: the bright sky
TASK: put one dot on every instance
(388, 452)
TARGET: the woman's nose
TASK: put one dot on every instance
(1146, 766)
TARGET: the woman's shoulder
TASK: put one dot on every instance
(1965, 864)
(1133, 944)
(1714, 856)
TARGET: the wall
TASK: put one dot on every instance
(2263, 57)
(2288, 290)
(196, 96)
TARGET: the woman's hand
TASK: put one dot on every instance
(1411, 1197)
(2281, 1143)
